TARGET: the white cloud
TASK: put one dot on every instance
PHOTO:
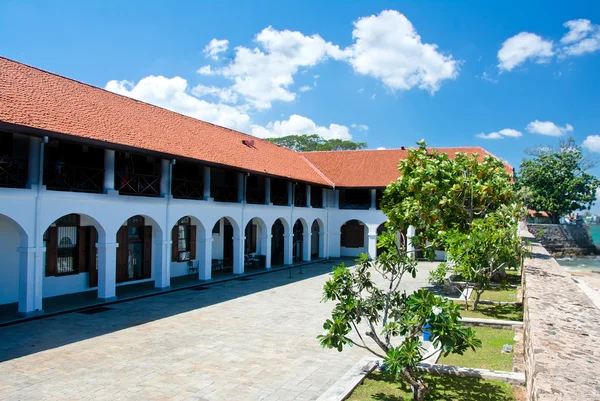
(503, 133)
(206, 70)
(305, 88)
(225, 95)
(592, 143)
(487, 77)
(172, 94)
(548, 128)
(299, 125)
(388, 47)
(214, 47)
(381, 148)
(522, 47)
(360, 127)
(582, 37)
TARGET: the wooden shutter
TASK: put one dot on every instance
(51, 251)
(253, 239)
(175, 243)
(83, 234)
(192, 242)
(147, 266)
(122, 254)
(92, 257)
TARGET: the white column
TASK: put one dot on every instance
(334, 245)
(107, 271)
(290, 190)
(268, 191)
(238, 254)
(162, 272)
(267, 249)
(30, 294)
(34, 162)
(372, 244)
(287, 248)
(373, 199)
(241, 189)
(206, 183)
(109, 170)
(323, 248)
(324, 193)
(410, 232)
(205, 259)
(336, 199)
(164, 177)
(306, 245)
(308, 196)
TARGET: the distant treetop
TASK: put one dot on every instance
(310, 143)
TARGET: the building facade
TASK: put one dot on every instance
(99, 191)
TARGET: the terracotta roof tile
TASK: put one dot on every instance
(372, 168)
(39, 99)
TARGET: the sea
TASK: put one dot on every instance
(584, 264)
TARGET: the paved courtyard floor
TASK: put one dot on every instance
(247, 339)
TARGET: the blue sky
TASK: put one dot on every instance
(385, 72)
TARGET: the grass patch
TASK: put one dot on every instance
(502, 312)
(490, 355)
(378, 386)
(497, 295)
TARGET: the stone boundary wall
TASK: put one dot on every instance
(564, 240)
(561, 333)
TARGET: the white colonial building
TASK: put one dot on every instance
(99, 191)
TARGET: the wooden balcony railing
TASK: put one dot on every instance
(255, 196)
(187, 189)
(69, 177)
(224, 193)
(137, 184)
(279, 199)
(13, 173)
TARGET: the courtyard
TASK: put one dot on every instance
(248, 339)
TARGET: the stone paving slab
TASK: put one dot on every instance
(242, 340)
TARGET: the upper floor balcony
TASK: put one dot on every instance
(13, 161)
(356, 199)
(137, 175)
(188, 181)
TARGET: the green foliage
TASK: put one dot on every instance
(309, 143)
(435, 193)
(438, 275)
(393, 319)
(557, 180)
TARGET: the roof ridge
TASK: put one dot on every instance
(317, 170)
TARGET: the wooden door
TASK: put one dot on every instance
(228, 244)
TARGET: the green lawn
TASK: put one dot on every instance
(505, 295)
(378, 386)
(502, 312)
(490, 355)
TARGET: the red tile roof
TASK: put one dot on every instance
(372, 168)
(42, 100)
(39, 99)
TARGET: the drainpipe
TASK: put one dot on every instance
(38, 211)
(167, 228)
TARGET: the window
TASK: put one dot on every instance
(184, 241)
(62, 252)
(353, 234)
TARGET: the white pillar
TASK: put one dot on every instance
(287, 248)
(205, 259)
(30, 294)
(372, 244)
(164, 177)
(241, 189)
(410, 232)
(268, 191)
(336, 199)
(373, 199)
(109, 170)
(267, 247)
(34, 162)
(238, 254)
(107, 271)
(206, 183)
(324, 193)
(308, 196)
(162, 272)
(334, 245)
(290, 190)
(306, 245)
(323, 249)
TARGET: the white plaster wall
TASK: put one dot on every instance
(61, 285)
(9, 262)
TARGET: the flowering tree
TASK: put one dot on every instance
(388, 322)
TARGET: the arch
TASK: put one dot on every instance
(317, 238)
(13, 264)
(187, 236)
(301, 241)
(227, 251)
(86, 220)
(353, 238)
(255, 243)
(279, 240)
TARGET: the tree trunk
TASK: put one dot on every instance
(418, 387)
(477, 296)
